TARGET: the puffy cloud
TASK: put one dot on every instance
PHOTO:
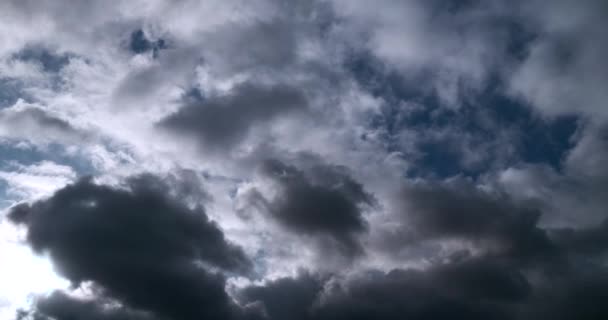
(459, 210)
(439, 47)
(137, 245)
(223, 121)
(320, 201)
(564, 69)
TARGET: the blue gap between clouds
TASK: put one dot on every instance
(51, 62)
(9, 153)
(539, 141)
(139, 43)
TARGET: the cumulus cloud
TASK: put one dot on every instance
(321, 201)
(221, 122)
(461, 211)
(136, 245)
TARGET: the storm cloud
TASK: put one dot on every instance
(323, 201)
(136, 245)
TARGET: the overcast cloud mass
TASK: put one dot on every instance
(305, 159)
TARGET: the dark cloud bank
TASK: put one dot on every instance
(144, 255)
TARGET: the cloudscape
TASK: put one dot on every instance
(303, 159)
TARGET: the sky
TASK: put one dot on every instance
(303, 159)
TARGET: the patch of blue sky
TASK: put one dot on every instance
(49, 61)
(4, 198)
(11, 90)
(483, 117)
(15, 152)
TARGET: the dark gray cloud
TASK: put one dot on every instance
(516, 270)
(413, 294)
(323, 200)
(492, 225)
(220, 122)
(578, 295)
(137, 245)
(470, 289)
(285, 298)
(464, 287)
(460, 210)
(61, 306)
(583, 242)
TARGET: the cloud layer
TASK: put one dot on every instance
(321, 159)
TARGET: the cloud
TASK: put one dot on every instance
(272, 46)
(284, 297)
(49, 61)
(137, 245)
(37, 125)
(321, 159)
(36, 180)
(578, 187)
(223, 121)
(472, 289)
(320, 201)
(424, 295)
(59, 305)
(584, 242)
(564, 70)
(464, 286)
(438, 47)
(459, 210)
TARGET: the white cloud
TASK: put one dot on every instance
(36, 180)
(565, 72)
